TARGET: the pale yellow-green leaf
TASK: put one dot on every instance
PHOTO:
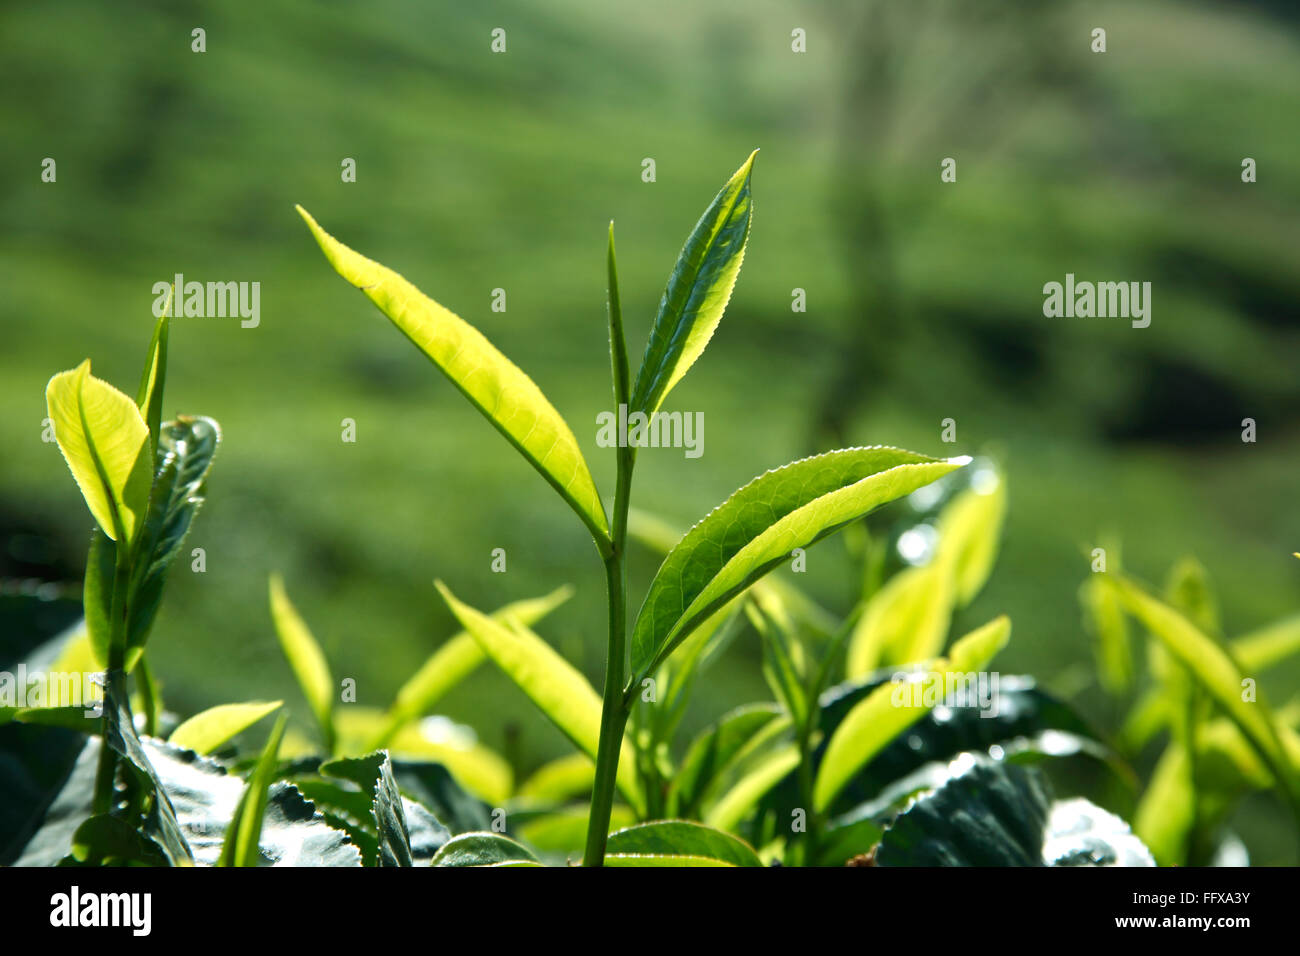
(509, 399)
(906, 620)
(893, 707)
(1214, 670)
(1166, 813)
(209, 730)
(305, 658)
(970, 531)
(1105, 620)
(1272, 644)
(456, 660)
(560, 779)
(551, 682)
(106, 444)
(732, 807)
(476, 767)
(565, 831)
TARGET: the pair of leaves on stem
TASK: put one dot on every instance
(732, 547)
(692, 306)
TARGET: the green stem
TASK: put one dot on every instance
(149, 696)
(106, 773)
(615, 706)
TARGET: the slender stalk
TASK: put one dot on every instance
(615, 706)
(106, 773)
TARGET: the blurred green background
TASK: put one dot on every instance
(478, 171)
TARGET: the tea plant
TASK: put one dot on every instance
(879, 735)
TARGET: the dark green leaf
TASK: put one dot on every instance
(373, 774)
(186, 448)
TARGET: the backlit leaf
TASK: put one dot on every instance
(305, 659)
(697, 292)
(106, 444)
(757, 528)
(494, 385)
(553, 684)
(216, 726)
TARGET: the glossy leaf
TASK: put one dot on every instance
(141, 795)
(990, 813)
(1080, 833)
(493, 384)
(679, 838)
(373, 774)
(105, 442)
(305, 658)
(213, 728)
(482, 849)
(758, 527)
(551, 682)
(204, 798)
(697, 292)
(892, 708)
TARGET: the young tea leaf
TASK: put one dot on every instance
(678, 838)
(1216, 671)
(697, 293)
(494, 385)
(893, 707)
(245, 833)
(106, 444)
(217, 726)
(553, 684)
(758, 527)
(149, 399)
(306, 660)
(455, 661)
(483, 849)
